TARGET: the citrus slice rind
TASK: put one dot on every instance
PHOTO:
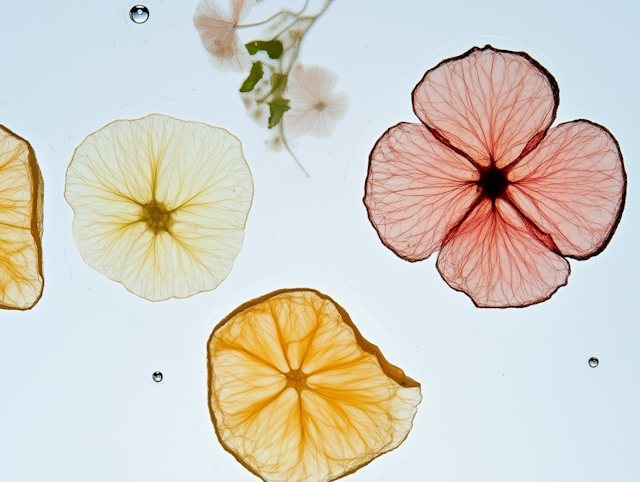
(21, 218)
(297, 394)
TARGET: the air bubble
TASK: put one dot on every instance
(139, 13)
(157, 377)
(593, 362)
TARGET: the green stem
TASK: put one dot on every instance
(313, 19)
(297, 17)
(284, 12)
(286, 145)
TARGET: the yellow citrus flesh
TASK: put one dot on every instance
(160, 204)
(296, 393)
(21, 196)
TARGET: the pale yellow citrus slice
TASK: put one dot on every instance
(21, 196)
(160, 204)
(296, 394)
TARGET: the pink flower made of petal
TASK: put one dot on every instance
(484, 180)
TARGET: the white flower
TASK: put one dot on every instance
(315, 108)
(217, 30)
(160, 204)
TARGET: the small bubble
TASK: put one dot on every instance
(139, 13)
(157, 377)
(593, 362)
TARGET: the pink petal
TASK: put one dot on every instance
(573, 187)
(240, 9)
(499, 260)
(217, 31)
(416, 190)
(488, 103)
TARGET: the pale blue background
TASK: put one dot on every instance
(508, 395)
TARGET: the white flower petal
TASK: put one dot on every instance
(315, 108)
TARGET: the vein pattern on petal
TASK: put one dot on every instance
(488, 103)
(573, 187)
(499, 259)
(417, 189)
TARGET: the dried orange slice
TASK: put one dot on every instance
(21, 196)
(297, 394)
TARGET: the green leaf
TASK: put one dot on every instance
(278, 84)
(254, 76)
(277, 107)
(272, 47)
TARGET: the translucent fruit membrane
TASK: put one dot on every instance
(21, 196)
(296, 393)
(160, 204)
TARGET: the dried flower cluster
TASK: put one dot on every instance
(279, 92)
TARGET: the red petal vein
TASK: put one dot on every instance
(572, 186)
(496, 260)
(487, 103)
(417, 190)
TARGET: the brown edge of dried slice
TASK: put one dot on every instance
(37, 211)
(392, 371)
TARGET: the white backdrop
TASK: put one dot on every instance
(508, 394)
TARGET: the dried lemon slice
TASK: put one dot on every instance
(160, 204)
(21, 195)
(297, 394)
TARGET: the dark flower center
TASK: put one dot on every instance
(493, 182)
(157, 216)
(297, 379)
